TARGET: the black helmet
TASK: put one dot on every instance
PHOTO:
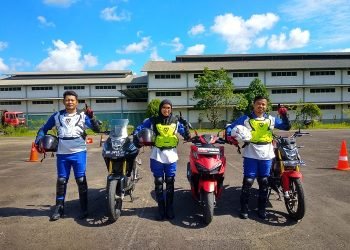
(49, 143)
(145, 137)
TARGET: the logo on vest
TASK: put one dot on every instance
(166, 130)
(68, 120)
(261, 124)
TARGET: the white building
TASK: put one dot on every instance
(320, 78)
(111, 94)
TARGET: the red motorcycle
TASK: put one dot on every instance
(285, 174)
(206, 170)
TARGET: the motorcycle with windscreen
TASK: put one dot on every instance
(119, 154)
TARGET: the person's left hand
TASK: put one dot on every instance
(282, 111)
(88, 111)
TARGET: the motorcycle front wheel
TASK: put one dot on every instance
(295, 204)
(208, 206)
(114, 201)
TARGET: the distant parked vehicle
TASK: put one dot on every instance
(12, 118)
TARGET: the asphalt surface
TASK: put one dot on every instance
(28, 193)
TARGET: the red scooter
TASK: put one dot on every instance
(205, 171)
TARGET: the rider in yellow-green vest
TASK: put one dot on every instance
(164, 154)
(258, 154)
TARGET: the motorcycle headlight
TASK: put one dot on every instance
(117, 143)
(202, 168)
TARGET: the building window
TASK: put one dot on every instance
(106, 100)
(348, 89)
(168, 76)
(73, 87)
(11, 103)
(42, 88)
(326, 106)
(42, 102)
(325, 90)
(81, 101)
(322, 73)
(284, 91)
(284, 73)
(348, 72)
(197, 75)
(106, 87)
(136, 100)
(169, 93)
(245, 74)
(11, 89)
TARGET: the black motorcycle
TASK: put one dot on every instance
(119, 154)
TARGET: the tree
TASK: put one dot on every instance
(153, 108)
(303, 111)
(256, 88)
(214, 92)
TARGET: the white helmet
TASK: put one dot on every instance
(241, 133)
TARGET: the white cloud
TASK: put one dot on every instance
(136, 47)
(239, 33)
(3, 45)
(3, 66)
(154, 55)
(261, 41)
(18, 64)
(196, 30)
(60, 3)
(122, 64)
(44, 22)
(329, 18)
(109, 14)
(66, 57)
(296, 39)
(340, 50)
(197, 49)
(176, 44)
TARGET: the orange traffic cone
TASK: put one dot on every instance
(343, 163)
(89, 140)
(34, 154)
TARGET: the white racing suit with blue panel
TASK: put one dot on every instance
(71, 151)
(163, 159)
(258, 155)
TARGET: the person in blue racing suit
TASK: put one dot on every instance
(71, 152)
(259, 152)
(164, 154)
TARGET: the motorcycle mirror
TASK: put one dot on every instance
(307, 122)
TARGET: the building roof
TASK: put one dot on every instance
(251, 62)
(72, 78)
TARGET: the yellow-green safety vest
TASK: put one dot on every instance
(261, 132)
(166, 137)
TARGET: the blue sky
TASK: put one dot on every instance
(50, 35)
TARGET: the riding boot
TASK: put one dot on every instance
(158, 182)
(170, 197)
(83, 196)
(262, 199)
(244, 199)
(61, 186)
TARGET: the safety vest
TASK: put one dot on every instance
(70, 127)
(166, 136)
(261, 132)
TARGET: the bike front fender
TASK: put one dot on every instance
(208, 186)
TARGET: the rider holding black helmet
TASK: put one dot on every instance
(71, 149)
(164, 154)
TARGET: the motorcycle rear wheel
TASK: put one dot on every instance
(296, 203)
(114, 201)
(208, 206)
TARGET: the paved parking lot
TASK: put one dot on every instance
(28, 193)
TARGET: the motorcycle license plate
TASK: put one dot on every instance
(210, 151)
